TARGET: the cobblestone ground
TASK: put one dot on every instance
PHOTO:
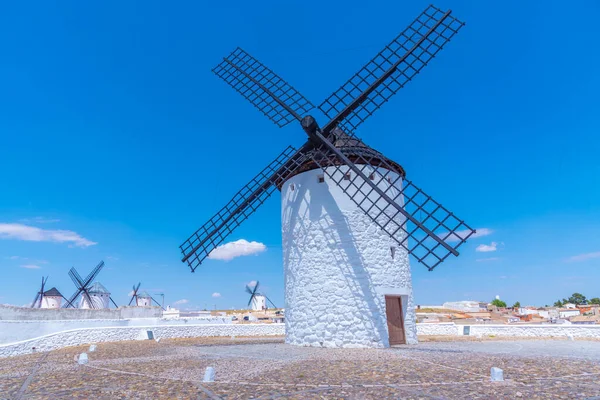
(266, 368)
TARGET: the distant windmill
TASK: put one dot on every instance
(86, 289)
(143, 298)
(134, 294)
(257, 299)
(50, 298)
(37, 302)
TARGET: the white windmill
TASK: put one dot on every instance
(50, 298)
(350, 219)
(97, 297)
(258, 301)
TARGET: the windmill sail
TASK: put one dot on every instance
(273, 96)
(390, 70)
(244, 203)
(421, 225)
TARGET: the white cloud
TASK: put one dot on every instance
(486, 248)
(33, 234)
(231, 250)
(182, 301)
(251, 284)
(31, 266)
(458, 235)
(584, 257)
(112, 258)
(40, 220)
(487, 259)
(216, 295)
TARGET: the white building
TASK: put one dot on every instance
(51, 298)
(170, 313)
(568, 312)
(347, 283)
(143, 299)
(99, 297)
(466, 306)
(259, 302)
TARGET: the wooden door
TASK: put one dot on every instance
(395, 322)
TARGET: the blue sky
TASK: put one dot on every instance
(117, 141)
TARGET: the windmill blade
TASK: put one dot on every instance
(397, 206)
(250, 301)
(87, 296)
(157, 303)
(269, 300)
(134, 295)
(73, 298)
(92, 275)
(390, 70)
(273, 96)
(248, 290)
(115, 304)
(245, 202)
(41, 297)
(37, 295)
(255, 288)
(75, 277)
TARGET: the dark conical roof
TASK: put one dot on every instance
(358, 152)
(52, 292)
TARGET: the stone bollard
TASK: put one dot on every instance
(92, 348)
(157, 340)
(83, 358)
(209, 375)
(232, 337)
(570, 337)
(497, 374)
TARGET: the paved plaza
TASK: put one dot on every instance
(266, 368)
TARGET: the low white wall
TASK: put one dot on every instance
(77, 337)
(441, 329)
(14, 313)
(16, 331)
(451, 329)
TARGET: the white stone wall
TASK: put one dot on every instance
(338, 267)
(441, 329)
(451, 329)
(15, 331)
(25, 313)
(77, 337)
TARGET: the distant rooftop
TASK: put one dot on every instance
(143, 293)
(52, 293)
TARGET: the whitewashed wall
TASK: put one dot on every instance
(451, 329)
(77, 337)
(338, 267)
(15, 331)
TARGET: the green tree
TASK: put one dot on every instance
(594, 300)
(517, 305)
(498, 303)
(558, 303)
(577, 298)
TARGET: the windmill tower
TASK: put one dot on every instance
(350, 218)
(92, 295)
(97, 297)
(258, 301)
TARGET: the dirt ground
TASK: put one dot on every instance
(266, 368)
